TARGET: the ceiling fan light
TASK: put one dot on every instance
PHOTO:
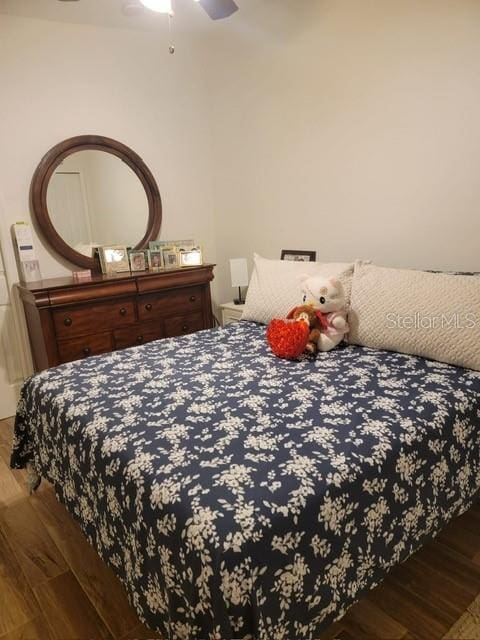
(162, 6)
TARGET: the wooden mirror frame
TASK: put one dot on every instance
(45, 170)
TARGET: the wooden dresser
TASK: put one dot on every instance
(68, 319)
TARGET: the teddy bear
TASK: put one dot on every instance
(327, 297)
(306, 312)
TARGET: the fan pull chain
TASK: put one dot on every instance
(171, 47)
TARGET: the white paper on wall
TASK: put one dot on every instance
(24, 239)
(28, 264)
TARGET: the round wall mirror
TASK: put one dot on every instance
(89, 191)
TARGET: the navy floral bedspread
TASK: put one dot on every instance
(237, 495)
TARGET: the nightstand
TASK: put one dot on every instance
(231, 312)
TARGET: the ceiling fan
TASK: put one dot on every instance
(216, 9)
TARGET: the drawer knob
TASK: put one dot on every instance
(139, 339)
(185, 328)
(123, 311)
(148, 307)
(67, 322)
(87, 351)
(193, 298)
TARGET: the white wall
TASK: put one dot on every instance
(58, 80)
(346, 126)
(351, 127)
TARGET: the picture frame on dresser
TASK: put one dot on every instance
(114, 259)
(170, 258)
(190, 257)
(138, 260)
(155, 260)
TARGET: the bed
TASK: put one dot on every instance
(239, 496)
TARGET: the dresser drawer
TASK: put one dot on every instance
(140, 334)
(86, 346)
(181, 325)
(99, 317)
(170, 303)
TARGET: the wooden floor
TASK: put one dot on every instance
(53, 584)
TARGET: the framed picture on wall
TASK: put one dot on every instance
(298, 256)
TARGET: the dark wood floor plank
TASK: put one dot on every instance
(36, 629)
(346, 635)
(68, 611)
(402, 606)
(5, 453)
(17, 602)
(10, 490)
(441, 560)
(462, 540)
(6, 431)
(332, 632)
(367, 620)
(141, 632)
(450, 599)
(37, 554)
(19, 475)
(469, 520)
(96, 579)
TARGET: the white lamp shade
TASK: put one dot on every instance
(162, 6)
(239, 272)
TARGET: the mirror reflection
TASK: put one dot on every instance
(94, 198)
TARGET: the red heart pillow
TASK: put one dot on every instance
(287, 338)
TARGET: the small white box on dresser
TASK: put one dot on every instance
(231, 312)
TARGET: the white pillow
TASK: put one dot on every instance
(433, 315)
(275, 287)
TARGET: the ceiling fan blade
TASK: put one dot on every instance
(218, 9)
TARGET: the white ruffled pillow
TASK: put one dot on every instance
(275, 285)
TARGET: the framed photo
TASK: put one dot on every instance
(161, 245)
(114, 259)
(190, 257)
(170, 258)
(298, 256)
(184, 245)
(138, 261)
(155, 259)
